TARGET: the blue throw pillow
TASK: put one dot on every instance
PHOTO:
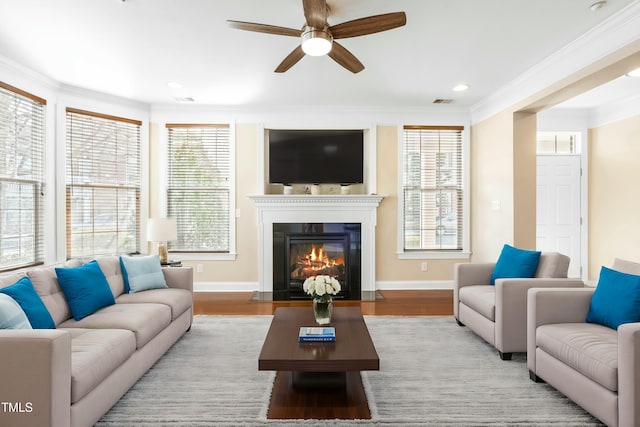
(515, 263)
(25, 295)
(12, 316)
(616, 299)
(142, 273)
(86, 289)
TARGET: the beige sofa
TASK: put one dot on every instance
(73, 375)
(498, 313)
(595, 366)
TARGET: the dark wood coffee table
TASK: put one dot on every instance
(318, 380)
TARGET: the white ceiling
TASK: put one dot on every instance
(133, 48)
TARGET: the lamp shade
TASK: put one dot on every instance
(162, 230)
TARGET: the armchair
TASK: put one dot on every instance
(498, 313)
(595, 366)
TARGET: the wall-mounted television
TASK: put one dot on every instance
(324, 156)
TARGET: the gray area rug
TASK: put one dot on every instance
(432, 373)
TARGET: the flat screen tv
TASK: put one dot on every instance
(316, 156)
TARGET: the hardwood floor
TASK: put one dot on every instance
(433, 302)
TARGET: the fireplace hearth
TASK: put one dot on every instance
(302, 250)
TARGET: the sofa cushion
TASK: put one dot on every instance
(144, 320)
(588, 348)
(95, 354)
(515, 263)
(86, 289)
(625, 266)
(110, 266)
(481, 298)
(179, 300)
(142, 273)
(46, 284)
(12, 316)
(552, 265)
(25, 295)
(616, 299)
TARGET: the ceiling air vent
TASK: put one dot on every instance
(442, 101)
(185, 99)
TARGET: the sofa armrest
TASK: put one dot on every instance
(629, 374)
(467, 274)
(179, 277)
(549, 306)
(35, 367)
(511, 309)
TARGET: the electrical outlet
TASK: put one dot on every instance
(423, 266)
(199, 268)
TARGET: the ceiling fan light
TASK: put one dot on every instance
(316, 42)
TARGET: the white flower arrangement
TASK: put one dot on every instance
(321, 287)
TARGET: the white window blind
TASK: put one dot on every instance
(433, 188)
(103, 184)
(198, 191)
(22, 129)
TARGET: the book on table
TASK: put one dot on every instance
(317, 334)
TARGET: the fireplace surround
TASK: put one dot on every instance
(317, 209)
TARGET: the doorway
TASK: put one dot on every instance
(558, 198)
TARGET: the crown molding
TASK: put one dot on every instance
(611, 35)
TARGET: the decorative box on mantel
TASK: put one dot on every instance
(304, 208)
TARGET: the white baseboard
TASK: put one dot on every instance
(382, 285)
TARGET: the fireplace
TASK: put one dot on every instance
(302, 250)
(274, 209)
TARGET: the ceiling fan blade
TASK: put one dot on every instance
(315, 12)
(264, 28)
(368, 25)
(345, 58)
(292, 59)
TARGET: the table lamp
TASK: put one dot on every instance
(162, 230)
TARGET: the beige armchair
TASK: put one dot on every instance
(498, 313)
(595, 366)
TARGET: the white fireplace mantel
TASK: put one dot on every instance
(298, 208)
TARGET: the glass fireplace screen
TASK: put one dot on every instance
(308, 259)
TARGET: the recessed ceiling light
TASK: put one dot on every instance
(598, 5)
(174, 85)
(634, 73)
(461, 87)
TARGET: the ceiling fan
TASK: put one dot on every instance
(318, 38)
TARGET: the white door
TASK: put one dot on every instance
(558, 207)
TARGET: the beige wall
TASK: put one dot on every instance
(614, 199)
(503, 184)
(524, 180)
(245, 268)
(491, 185)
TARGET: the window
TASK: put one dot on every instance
(199, 186)
(103, 184)
(432, 188)
(22, 188)
(558, 143)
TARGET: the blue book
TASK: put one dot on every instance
(317, 334)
